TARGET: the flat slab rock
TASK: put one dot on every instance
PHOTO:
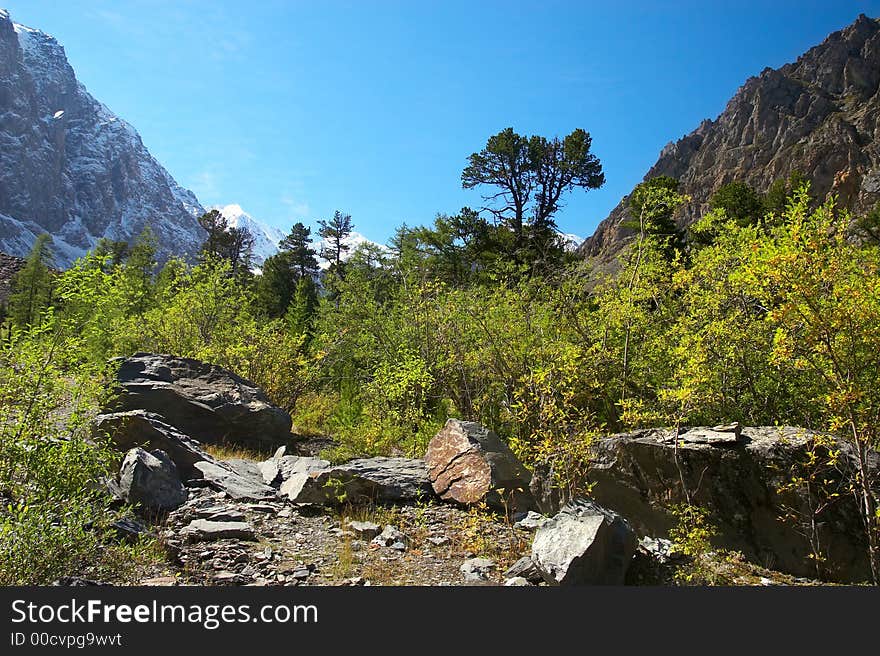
(205, 530)
(139, 428)
(469, 464)
(366, 480)
(204, 401)
(240, 480)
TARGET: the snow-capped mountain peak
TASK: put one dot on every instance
(266, 237)
(571, 242)
(353, 241)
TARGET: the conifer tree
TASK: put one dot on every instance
(334, 233)
(138, 272)
(32, 285)
(302, 255)
(301, 311)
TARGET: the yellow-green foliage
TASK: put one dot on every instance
(692, 538)
(203, 312)
(54, 512)
(768, 320)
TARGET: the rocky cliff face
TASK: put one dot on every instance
(70, 167)
(818, 116)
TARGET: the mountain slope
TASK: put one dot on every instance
(818, 116)
(70, 167)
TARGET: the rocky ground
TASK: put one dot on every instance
(465, 514)
(271, 543)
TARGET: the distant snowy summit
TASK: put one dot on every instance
(268, 237)
(571, 242)
(72, 168)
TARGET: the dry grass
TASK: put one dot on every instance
(228, 451)
(346, 559)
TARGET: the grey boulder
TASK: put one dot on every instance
(240, 480)
(585, 544)
(202, 400)
(525, 568)
(366, 480)
(364, 530)
(148, 430)
(151, 480)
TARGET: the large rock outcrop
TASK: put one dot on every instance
(817, 116)
(738, 476)
(469, 464)
(201, 400)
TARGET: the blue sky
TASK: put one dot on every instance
(294, 109)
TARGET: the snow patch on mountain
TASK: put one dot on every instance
(353, 241)
(571, 242)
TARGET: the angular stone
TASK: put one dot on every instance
(584, 544)
(365, 530)
(151, 479)
(270, 469)
(531, 521)
(239, 484)
(366, 480)
(517, 581)
(389, 536)
(525, 567)
(468, 463)
(289, 466)
(227, 515)
(129, 529)
(204, 530)
(477, 569)
(151, 432)
(202, 400)
(300, 488)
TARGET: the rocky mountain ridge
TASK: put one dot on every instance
(817, 116)
(72, 168)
